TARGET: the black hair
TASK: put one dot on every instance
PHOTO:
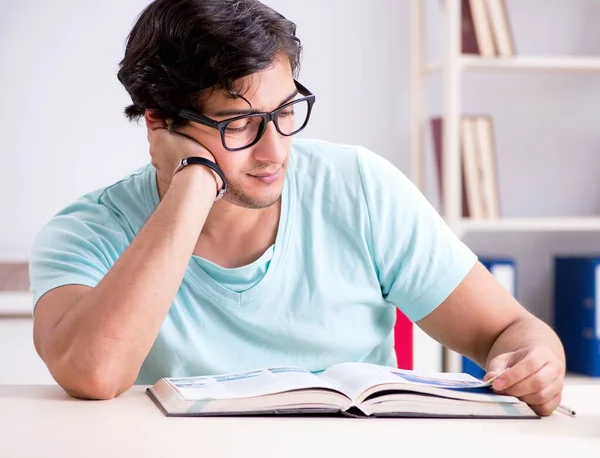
(179, 48)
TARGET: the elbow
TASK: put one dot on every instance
(98, 383)
(94, 387)
(88, 373)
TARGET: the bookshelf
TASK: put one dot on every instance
(452, 67)
(584, 224)
(529, 63)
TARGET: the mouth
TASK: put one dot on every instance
(268, 177)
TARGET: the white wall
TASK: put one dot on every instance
(62, 132)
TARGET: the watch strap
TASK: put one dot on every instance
(195, 160)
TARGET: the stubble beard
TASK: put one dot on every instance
(236, 196)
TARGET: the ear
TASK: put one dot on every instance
(154, 120)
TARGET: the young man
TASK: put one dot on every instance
(301, 261)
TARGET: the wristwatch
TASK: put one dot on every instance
(211, 165)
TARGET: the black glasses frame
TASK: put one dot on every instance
(308, 96)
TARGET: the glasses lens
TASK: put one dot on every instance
(293, 118)
(241, 132)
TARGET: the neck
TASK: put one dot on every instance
(226, 221)
(234, 236)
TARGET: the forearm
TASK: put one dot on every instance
(107, 334)
(526, 332)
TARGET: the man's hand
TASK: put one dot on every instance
(167, 148)
(535, 375)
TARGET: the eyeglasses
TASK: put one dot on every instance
(244, 131)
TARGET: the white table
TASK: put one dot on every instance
(42, 421)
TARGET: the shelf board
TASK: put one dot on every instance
(540, 63)
(531, 225)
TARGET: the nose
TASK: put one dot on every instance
(272, 147)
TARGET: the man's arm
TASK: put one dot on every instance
(419, 263)
(94, 340)
(481, 320)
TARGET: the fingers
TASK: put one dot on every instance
(545, 395)
(499, 363)
(189, 137)
(548, 407)
(534, 383)
(491, 376)
(530, 364)
(535, 376)
(195, 145)
(536, 379)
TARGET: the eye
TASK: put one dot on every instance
(235, 130)
(242, 125)
(287, 112)
(239, 125)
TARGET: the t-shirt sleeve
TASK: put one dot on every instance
(419, 260)
(78, 246)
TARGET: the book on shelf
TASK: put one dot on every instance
(479, 187)
(358, 390)
(437, 131)
(501, 29)
(577, 311)
(485, 28)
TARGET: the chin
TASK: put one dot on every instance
(249, 193)
(255, 200)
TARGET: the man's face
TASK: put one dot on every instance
(254, 175)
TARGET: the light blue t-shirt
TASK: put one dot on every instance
(355, 239)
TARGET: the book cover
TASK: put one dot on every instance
(501, 29)
(477, 35)
(479, 181)
(437, 130)
(486, 151)
(468, 34)
(478, 9)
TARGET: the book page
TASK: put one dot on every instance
(248, 384)
(356, 378)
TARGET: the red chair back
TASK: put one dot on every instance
(403, 341)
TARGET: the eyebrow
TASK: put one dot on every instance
(229, 113)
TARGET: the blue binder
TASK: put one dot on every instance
(504, 270)
(576, 311)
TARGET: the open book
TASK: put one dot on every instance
(350, 389)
